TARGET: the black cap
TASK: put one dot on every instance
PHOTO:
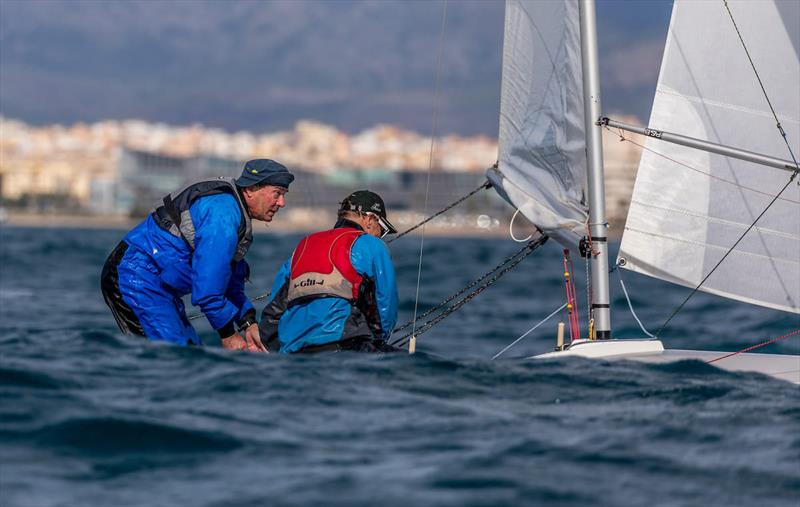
(364, 201)
(264, 171)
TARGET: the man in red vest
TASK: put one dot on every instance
(338, 290)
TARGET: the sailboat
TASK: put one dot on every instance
(719, 151)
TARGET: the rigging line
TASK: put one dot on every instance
(586, 259)
(687, 166)
(588, 290)
(756, 346)
(470, 285)
(484, 185)
(529, 331)
(510, 261)
(731, 249)
(507, 265)
(511, 230)
(430, 155)
(627, 298)
(761, 84)
(532, 246)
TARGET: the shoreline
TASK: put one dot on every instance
(288, 223)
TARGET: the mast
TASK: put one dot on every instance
(601, 308)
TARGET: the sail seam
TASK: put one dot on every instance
(717, 220)
(698, 243)
(763, 88)
(717, 103)
(723, 180)
(701, 244)
(687, 166)
(730, 250)
(633, 267)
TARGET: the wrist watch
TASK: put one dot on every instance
(246, 322)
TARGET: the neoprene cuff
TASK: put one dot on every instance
(228, 329)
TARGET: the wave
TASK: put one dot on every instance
(109, 435)
(11, 377)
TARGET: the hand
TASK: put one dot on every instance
(253, 339)
(234, 342)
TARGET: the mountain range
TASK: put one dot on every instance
(260, 66)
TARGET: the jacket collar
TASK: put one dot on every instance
(240, 191)
(343, 222)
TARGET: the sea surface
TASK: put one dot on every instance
(89, 417)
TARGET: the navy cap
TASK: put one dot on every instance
(264, 171)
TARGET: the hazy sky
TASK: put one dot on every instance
(262, 65)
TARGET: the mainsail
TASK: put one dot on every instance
(542, 159)
(689, 206)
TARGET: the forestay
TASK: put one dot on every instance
(542, 159)
(689, 209)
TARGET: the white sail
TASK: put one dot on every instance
(542, 159)
(688, 206)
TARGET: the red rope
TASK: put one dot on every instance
(572, 307)
(575, 320)
(753, 347)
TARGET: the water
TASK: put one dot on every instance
(92, 418)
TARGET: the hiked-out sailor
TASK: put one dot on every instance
(195, 243)
(338, 290)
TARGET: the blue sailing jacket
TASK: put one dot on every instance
(210, 274)
(331, 319)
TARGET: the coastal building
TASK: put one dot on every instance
(142, 179)
(125, 168)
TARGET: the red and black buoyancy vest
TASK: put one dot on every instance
(321, 266)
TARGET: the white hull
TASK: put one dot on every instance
(780, 366)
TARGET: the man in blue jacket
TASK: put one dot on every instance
(195, 242)
(338, 290)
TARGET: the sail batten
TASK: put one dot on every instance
(690, 206)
